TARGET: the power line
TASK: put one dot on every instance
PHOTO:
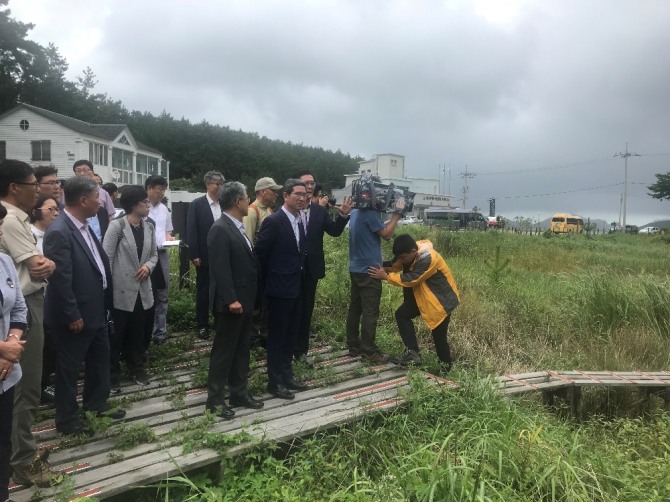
(556, 193)
(551, 168)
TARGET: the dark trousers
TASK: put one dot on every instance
(202, 296)
(48, 363)
(149, 318)
(128, 339)
(259, 326)
(309, 285)
(229, 360)
(283, 323)
(6, 412)
(404, 315)
(90, 347)
(366, 294)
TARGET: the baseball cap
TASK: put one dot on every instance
(266, 183)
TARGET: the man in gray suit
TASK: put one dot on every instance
(233, 283)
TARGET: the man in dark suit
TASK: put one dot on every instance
(77, 298)
(202, 213)
(233, 283)
(316, 221)
(280, 251)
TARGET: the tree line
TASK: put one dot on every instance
(33, 74)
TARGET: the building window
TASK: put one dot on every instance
(124, 141)
(3, 150)
(164, 166)
(123, 161)
(24, 125)
(153, 165)
(41, 150)
(394, 162)
(98, 154)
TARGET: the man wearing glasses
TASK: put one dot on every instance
(280, 247)
(47, 177)
(159, 213)
(18, 191)
(202, 213)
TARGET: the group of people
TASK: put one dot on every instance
(73, 270)
(97, 285)
(251, 260)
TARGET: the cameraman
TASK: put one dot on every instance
(366, 229)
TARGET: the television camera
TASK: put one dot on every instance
(368, 192)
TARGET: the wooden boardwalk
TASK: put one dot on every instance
(98, 468)
(172, 409)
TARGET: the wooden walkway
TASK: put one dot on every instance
(98, 468)
(172, 410)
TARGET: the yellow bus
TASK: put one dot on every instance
(565, 223)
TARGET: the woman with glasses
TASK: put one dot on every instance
(45, 211)
(42, 215)
(130, 243)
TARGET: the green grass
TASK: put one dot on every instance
(564, 302)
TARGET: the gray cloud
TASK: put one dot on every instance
(564, 83)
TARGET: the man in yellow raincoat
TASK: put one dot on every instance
(429, 291)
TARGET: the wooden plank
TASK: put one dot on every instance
(557, 384)
(289, 425)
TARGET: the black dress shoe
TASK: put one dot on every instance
(246, 401)
(280, 391)
(114, 413)
(226, 413)
(203, 333)
(293, 385)
(75, 430)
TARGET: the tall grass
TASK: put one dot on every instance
(456, 446)
(567, 302)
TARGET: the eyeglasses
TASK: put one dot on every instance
(52, 210)
(300, 195)
(83, 169)
(34, 183)
(53, 183)
(145, 201)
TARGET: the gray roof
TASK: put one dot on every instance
(104, 131)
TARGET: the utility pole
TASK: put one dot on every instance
(625, 156)
(466, 175)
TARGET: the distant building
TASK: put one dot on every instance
(42, 137)
(390, 168)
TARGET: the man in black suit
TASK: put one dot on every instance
(233, 283)
(280, 251)
(202, 213)
(316, 221)
(77, 298)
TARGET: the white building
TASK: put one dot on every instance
(390, 168)
(42, 137)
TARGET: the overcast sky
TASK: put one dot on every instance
(535, 97)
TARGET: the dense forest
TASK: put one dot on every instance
(33, 74)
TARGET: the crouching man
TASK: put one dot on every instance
(429, 291)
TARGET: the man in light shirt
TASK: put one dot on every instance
(202, 213)
(159, 213)
(19, 189)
